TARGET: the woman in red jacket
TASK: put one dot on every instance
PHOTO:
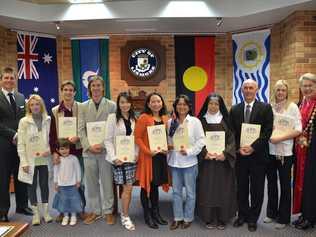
(152, 165)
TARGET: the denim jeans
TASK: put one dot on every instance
(184, 177)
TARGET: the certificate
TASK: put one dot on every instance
(249, 133)
(282, 124)
(125, 148)
(4, 230)
(35, 146)
(215, 141)
(157, 137)
(180, 138)
(26, 177)
(67, 127)
(96, 132)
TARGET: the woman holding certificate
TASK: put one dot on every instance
(186, 138)
(119, 139)
(152, 168)
(34, 152)
(287, 125)
(305, 149)
(217, 166)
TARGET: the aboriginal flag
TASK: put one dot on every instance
(195, 68)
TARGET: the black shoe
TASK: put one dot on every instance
(150, 222)
(175, 225)
(252, 227)
(239, 222)
(25, 211)
(185, 225)
(157, 217)
(304, 225)
(298, 221)
(4, 218)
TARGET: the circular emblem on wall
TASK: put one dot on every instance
(143, 63)
(251, 55)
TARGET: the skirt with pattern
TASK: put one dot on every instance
(124, 174)
(67, 199)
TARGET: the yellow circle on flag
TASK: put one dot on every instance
(194, 78)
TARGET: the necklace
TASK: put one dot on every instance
(305, 138)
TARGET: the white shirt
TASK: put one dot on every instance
(196, 143)
(284, 148)
(5, 92)
(67, 172)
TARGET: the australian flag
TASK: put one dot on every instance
(37, 67)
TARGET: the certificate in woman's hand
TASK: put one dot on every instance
(180, 138)
(125, 148)
(215, 141)
(157, 138)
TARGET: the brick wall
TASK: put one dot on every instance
(7, 48)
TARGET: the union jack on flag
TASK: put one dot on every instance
(27, 56)
(36, 59)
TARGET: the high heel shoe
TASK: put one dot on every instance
(157, 217)
(304, 225)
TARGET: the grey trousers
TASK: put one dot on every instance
(99, 184)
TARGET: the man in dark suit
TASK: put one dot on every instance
(12, 109)
(251, 159)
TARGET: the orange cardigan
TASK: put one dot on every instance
(144, 163)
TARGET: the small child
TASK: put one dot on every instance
(67, 177)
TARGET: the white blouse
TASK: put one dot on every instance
(114, 129)
(67, 172)
(285, 148)
(196, 143)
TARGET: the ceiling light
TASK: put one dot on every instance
(84, 1)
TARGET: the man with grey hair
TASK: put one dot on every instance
(11, 111)
(251, 159)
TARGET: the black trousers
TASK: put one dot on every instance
(9, 165)
(40, 173)
(250, 179)
(280, 210)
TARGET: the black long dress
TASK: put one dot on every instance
(216, 183)
(309, 187)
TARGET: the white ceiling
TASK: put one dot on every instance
(147, 17)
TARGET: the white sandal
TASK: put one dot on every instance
(127, 223)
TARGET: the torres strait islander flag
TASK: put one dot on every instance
(195, 68)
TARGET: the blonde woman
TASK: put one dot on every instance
(34, 152)
(281, 157)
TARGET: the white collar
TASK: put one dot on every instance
(251, 103)
(213, 118)
(5, 92)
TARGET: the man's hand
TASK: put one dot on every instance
(246, 150)
(220, 157)
(73, 140)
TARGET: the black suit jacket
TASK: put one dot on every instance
(9, 120)
(261, 114)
